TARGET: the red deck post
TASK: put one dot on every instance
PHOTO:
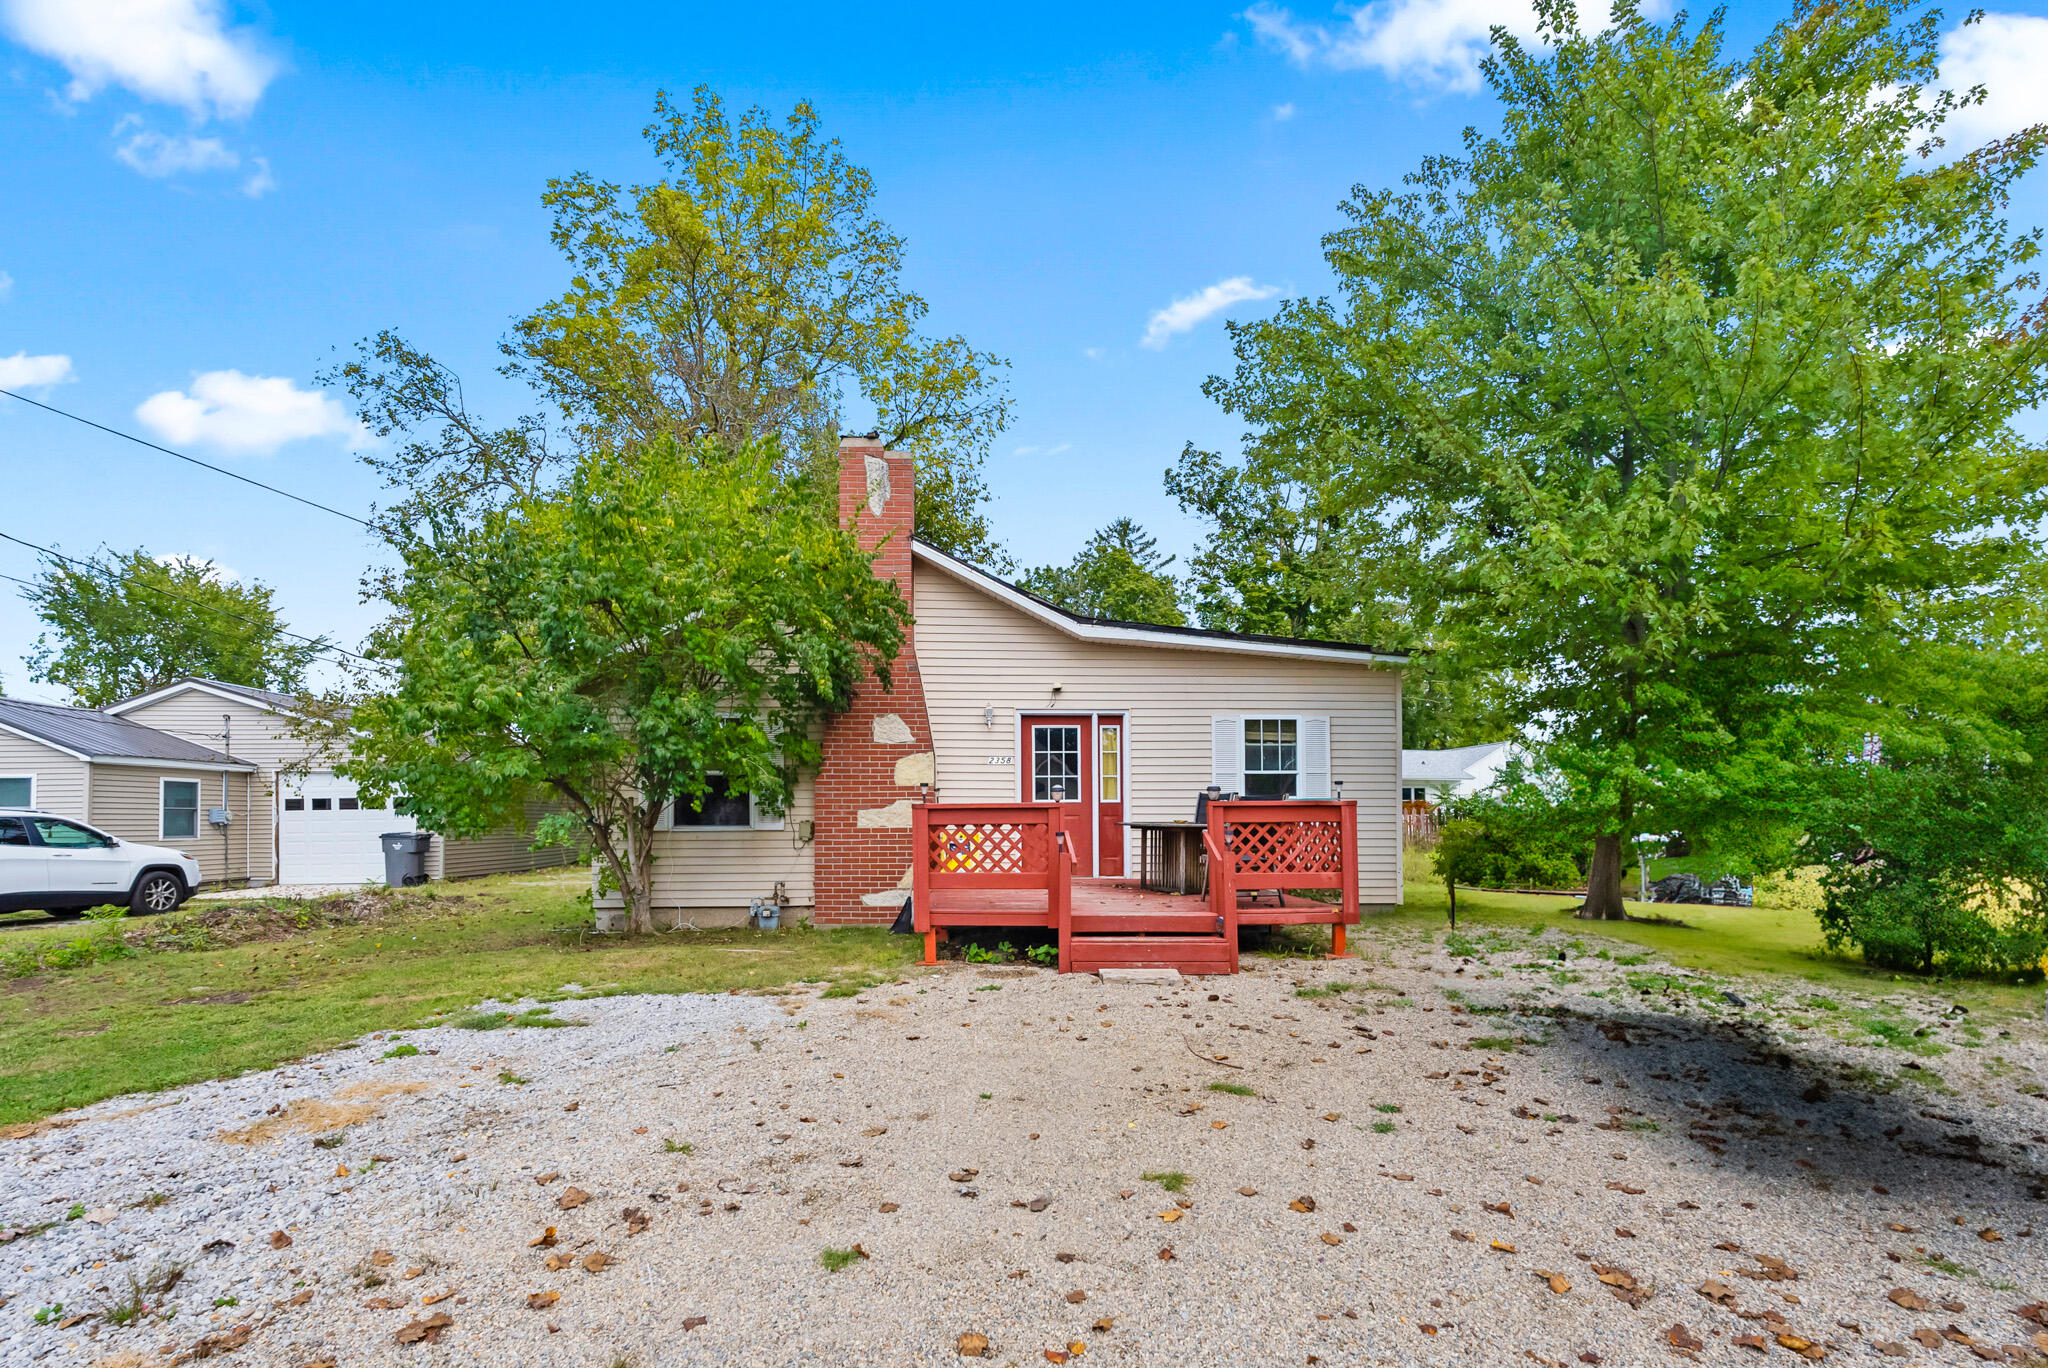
(921, 879)
(1347, 852)
(1060, 893)
(1222, 879)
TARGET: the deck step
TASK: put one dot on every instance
(1189, 954)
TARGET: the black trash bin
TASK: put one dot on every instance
(405, 858)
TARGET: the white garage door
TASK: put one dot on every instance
(327, 836)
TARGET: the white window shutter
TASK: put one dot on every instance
(760, 820)
(1226, 753)
(666, 821)
(1315, 757)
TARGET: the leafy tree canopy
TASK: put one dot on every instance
(123, 623)
(663, 619)
(1684, 403)
(750, 295)
(1120, 574)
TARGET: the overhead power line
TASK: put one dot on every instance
(189, 460)
(95, 569)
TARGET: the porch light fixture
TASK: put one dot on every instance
(924, 791)
(988, 716)
(1340, 790)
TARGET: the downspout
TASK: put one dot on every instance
(227, 848)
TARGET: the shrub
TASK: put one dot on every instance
(1517, 842)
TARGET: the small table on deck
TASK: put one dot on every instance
(1170, 857)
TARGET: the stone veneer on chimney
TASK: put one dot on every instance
(880, 749)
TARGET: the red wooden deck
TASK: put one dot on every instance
(1012, 865)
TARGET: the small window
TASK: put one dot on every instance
(17, 791)
(13, 832)
(294, 805)
(721, 806)
(345, 804)
(1111, 771)
(1272, 766)
(322, 804)
(180, 810)
(1056, 764)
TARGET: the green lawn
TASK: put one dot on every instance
(69, 1037)
(1763, 940)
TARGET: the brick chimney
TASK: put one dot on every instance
(880, 749)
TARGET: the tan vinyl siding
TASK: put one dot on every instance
(974, 652)
(253, 734)
(127, 799)
(505, 852)
(60, 779)
(729, 867)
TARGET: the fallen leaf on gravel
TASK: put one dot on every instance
(70, 1321)
(1247, 1192)
(411, 1273)
(557, 1262)
(1076, 1297)
(1219, 1125)
(429, 1329)
(1402, 1177)
(1055, 1355)
(1928, 1339)
(1333, 1116)
(572, 1106)
(1559, 1283)
(541, 1301)
(1503, 1246)
(573, 1198)
(280, 1240)
(1989, 1236)
(1951, 1304)
(1756, 1342)
(341, 1170)
(1350, 1229)
(1798, 1344)
(1624, 1232)
(1104, 1326)
(298, 1298)
(1624, 1187)
(597, 1261)
(1330, 1238)
(1172, 1215)
(639, 1130)
(1774, 1269)
(387, 1303)
(850, 1163)
(1166, 1252)
(544, 1240)
(545, 1178)
(692, 1322)
(1532, 1178)
(1500, 1208)
(1308, 1144)
(872, 1131)
(972, 1345)
(1464, 1235)
(1076, 1348)
(428, 1299)
(1911, 1300)
(2037, 1312)
(636, 1220)
(1715, 1290)
(1730, 1246)
(962, 1175)
(887, 1207)
(1682, 1338)
(220, 1342)
(1302, 1204)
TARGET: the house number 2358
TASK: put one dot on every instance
(1002, 759)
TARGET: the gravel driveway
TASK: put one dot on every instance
(1654, 1174)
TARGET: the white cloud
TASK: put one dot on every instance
(6, 284)
(1183, 314)
(260, 181)
(1044, 450)
(213, 570)
(22, 371)
(1283, 112)
(246, 414)
(178, 52)
(2006, 54)
(154, 154)
(1437, 43)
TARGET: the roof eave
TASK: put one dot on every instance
(1138, 634)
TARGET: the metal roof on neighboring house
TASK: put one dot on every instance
(262, 698)
(102, 736)
(1447, 766)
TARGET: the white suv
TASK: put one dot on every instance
(57, 865)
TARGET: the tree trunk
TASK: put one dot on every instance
(1454, 903)
(1603, 882)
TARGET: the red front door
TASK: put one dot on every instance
(1060, 770)
(1109, 795)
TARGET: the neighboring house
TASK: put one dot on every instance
(1433, 776)
(309, 826)
(135, 782)
(1001, 697)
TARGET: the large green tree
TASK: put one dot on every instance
(664, 627)
(1120, 574)
(124, 622)
(750, 294)
(1683, 402)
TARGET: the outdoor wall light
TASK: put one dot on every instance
(1340, 790)
(924, 792)
(988, 716)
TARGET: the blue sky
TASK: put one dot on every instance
(204, 200)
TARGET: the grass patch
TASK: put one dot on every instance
(852, 987)
(330, 982)
(334, 1141)
(1383, 1127)
(1494, 1044)
(836, 1259)
(539, 1018)
(1386, 1106)
(406, 1051)
(1173, 1180)
(510, 1079)
(1234, 1089)
(669, 1146)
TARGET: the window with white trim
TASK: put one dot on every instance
(178, 815)
(1272, 757)
(17, 790)
(721, 808)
